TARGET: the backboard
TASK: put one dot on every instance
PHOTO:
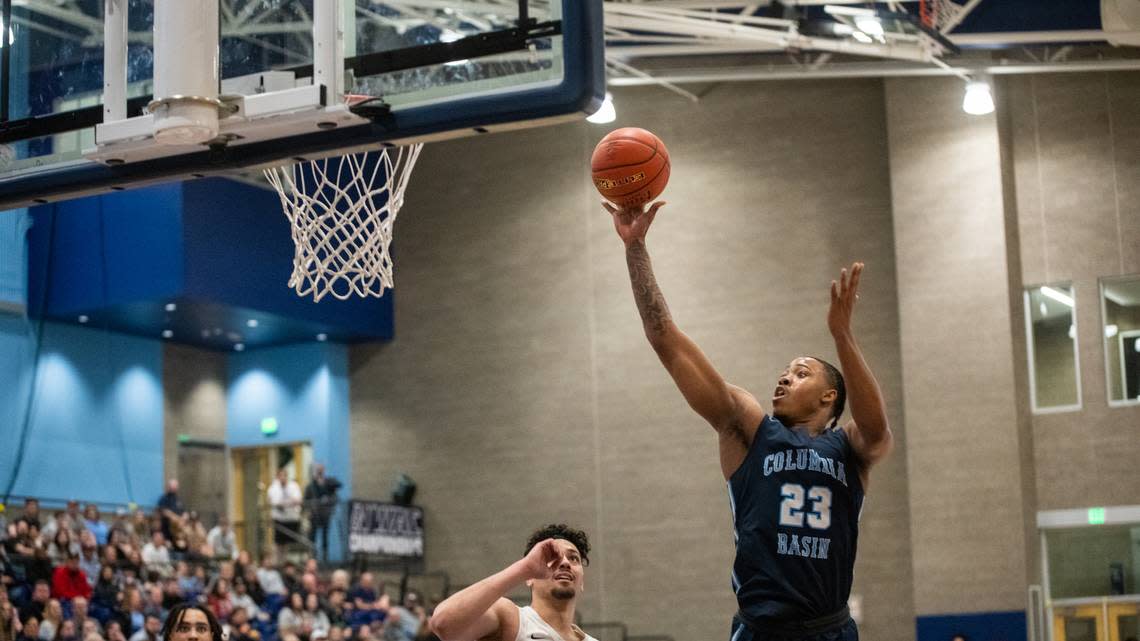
(436, 69)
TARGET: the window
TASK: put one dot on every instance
(1120, 314)
(1051, 334)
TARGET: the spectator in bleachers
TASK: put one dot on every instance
(31, 514)
(285, 508)
(172, 594)
(334, 607)
(310, 585)
(89, 630)
(152, 604)
(57, 522)
(289, 576)
(190, 584)
(30, 631)
(133, 608)
(252, 586)
(51, 620)
(139, 528)
(369, 604)
(9, 619)
(93, 523)
(239, 627)
(81, 615)
(269, 578)
(243, 561)
(67, 631)
(290, 620)
(320, 502)
(315, 620)
(171, 510)
(68, 581)
(339, 581)
(149, 631)
(75, 520)
(222, 541)
(34, 608)
(195, 534)
(155, 554)
(89, 560)
(105, 594)
(407, 621)
(62, 546)
(219, 600)
(239, 596)
(115, 631)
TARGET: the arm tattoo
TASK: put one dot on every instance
(650, 302)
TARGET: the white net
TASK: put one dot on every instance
(342, 211)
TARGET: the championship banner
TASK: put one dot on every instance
(385, 529)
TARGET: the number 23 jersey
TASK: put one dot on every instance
(795, 508)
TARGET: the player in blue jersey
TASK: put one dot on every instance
(796, 476)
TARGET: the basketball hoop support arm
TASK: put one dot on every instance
(114, 60)
(328, 49)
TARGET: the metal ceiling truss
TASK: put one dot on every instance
(688, 36)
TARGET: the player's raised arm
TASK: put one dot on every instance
(703, 387)
(868, 429)
(480, 611)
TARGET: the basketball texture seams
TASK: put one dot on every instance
(630, 167)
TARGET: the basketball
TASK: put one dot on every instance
(630, 167)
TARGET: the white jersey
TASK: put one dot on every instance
(533, 628)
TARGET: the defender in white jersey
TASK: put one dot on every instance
(553, 569)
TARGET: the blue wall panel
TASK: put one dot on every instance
(240, 249)
(100, 251)
(96, 417)
(977, 626)
(14, 259)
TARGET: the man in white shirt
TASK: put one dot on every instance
(156, 555)
(222, 540)
(285, 509)
(554, 571)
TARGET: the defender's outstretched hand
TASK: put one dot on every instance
(844, 293)
(632, 224)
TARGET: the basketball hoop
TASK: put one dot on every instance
(342, 210)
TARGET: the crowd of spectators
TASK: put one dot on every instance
(76, 576)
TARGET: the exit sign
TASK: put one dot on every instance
(1096, 516)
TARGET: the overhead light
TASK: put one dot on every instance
(1057, 295)
(166, 333)
(862, 37)
(978, 101)
(870, 25)
(1044, 309)
(1111, 330)
(606, 113)
(83, 318)
(1072, 332)
(450, 35)
(251, 322)
(456, 63)
(322, 337)
(239, 347)
(170, 307)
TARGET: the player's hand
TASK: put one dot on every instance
(632, 223)
(542, 559)
(844, 294)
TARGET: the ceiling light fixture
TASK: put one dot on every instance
(83, 318)
(170, 307)
(166, 333)
(870, 25)
(251, 322)
(979, 102)
(862, 37)
(239, 347)
(837, 10)
(606, 113)
(322, 337)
